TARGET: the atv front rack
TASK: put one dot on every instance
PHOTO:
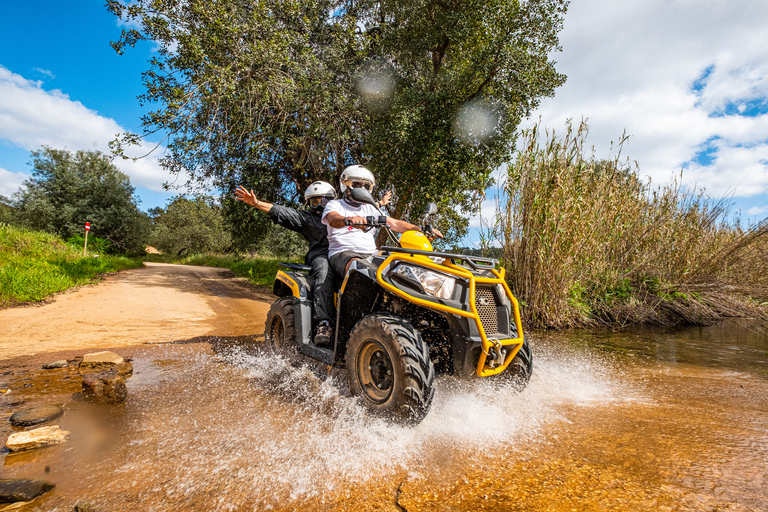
(475, 262)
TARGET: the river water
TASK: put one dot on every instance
(640, 420)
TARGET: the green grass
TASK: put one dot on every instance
(35, 265)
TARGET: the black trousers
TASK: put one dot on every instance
(322, 290)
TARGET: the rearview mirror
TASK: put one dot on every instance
(431, 209)
(362, 196)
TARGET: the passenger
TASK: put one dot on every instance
(348, 243)
(308, 224)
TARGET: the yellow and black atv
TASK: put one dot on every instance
(404, 315)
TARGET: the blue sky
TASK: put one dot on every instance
(687, 80)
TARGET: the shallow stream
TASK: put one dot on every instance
(640, 420)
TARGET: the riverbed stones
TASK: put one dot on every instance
(105, 387)
(83, 506)
(12, 491)
(37, 438)
(56, 364)
(104, 359)
(35, 415)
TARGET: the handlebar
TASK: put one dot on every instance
(371, 222)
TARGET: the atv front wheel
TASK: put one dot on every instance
(280, 329)
(388, 366)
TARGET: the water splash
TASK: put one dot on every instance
(261, 428)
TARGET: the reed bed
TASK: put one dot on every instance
(586, 242)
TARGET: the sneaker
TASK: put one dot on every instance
(323, 334)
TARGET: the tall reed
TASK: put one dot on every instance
(587, 241)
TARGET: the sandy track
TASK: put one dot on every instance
(155, 304)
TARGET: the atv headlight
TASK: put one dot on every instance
(437, 285)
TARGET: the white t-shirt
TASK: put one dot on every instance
(349, 238)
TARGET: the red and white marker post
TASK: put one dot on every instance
(87, 229)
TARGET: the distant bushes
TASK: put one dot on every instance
(585, 241)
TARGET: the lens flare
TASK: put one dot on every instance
(476, 122)
(376, 86)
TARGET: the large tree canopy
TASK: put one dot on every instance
(67, 190)
(279, 93)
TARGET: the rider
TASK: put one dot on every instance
(307, 223)
(348, 243)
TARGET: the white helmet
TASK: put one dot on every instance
(318, 194)
(357, 174)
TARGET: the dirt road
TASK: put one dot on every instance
(155, 304)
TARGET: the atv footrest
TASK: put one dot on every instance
(295, 266)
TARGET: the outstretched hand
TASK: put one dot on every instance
(248, 197)
(385, 200)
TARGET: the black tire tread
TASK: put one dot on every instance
(282, 307)
(418, 389)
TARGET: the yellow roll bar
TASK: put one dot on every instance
(450, 268)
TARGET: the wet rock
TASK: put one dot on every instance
(35, 415)
(37, 438)
(100, 360)
(83, 506)
(12, 491)
(105, 387)
(56, 364)
(124, 369)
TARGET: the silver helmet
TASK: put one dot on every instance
(356, 176)
(318, 194)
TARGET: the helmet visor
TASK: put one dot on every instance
(318, 201)
(360, 184)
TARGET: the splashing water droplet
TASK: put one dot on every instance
(476, 122)
(376, 86)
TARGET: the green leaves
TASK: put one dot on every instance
(290, 92)
(67, 190)
(190, 226)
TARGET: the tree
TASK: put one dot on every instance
(428, 93)
(189, 226)
(67, 190)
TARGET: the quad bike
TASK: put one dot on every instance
(404, 315)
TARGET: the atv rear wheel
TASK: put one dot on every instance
(519, 371)
(280, 329)
(388, 366)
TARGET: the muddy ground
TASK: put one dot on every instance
(155, 304)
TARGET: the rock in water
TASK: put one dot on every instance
(83, 506)
(100, 360)
(35, 415)
(37, 438)
(56, 364)
(105, 387)
(124, 369)
(12, 491)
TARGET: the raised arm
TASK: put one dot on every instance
(248, 197)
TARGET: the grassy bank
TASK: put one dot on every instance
(35, 265)
(587, 242)
(256, 269)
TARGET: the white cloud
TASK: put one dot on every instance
(45, 72)
(31, 117)
(673, 75)
(10, 181)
